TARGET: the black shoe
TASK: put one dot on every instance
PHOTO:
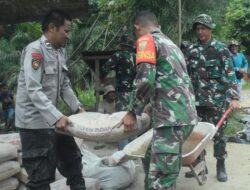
(76, 183)
(190, 174)
(221, 170)
(78, 187)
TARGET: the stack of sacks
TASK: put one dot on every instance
(14, 139)
(9, 167)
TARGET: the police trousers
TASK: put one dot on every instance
(43, 151)
(163, 159)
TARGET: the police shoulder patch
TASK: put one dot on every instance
(146, 50)
(36, 60)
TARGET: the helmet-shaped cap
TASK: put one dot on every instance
(205, 20)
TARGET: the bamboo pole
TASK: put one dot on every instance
(179, 22)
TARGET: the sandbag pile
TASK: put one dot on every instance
(9, 167)
(21, 176)
(14, 177)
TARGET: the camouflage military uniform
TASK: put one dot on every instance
(166, 85)
(123, 63)
(211, 70)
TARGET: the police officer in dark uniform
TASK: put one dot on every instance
(42, 81)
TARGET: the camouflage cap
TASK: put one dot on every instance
(205, 20)
(108, 88)
(234, 42)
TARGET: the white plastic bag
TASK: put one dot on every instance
(104, 127)
(110, 177)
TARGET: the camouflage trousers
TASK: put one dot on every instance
(163, 159)
(122, 101)
(213, 115)
(43, 151)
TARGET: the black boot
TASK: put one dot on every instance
(78, 187)
(76, 183)
(221, 170)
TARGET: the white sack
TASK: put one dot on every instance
(8, 169)
(139, 146)
(91, 184)
(104, 127)
(22, 176)
(21, 187)
(7, 152)
(11, 138)
(115, 177)
(19, 158)
(9, 184)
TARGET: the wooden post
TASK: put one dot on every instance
(97, 83)
(179, 22)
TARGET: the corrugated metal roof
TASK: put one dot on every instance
(16, 11)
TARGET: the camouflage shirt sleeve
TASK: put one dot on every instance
(143, 87)
(228, 75)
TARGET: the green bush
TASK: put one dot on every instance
(86, 97)
(246, 86)
(234, 125)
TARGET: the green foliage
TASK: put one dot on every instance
(246, 86)
(234, 125)
(86, 97)
(106, 21)
(238, 22)
(9, 63)
(10, 49)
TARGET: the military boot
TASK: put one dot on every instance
(221, 170)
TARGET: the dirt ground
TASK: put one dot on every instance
(237, 165)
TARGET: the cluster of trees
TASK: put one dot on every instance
(107, 20)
